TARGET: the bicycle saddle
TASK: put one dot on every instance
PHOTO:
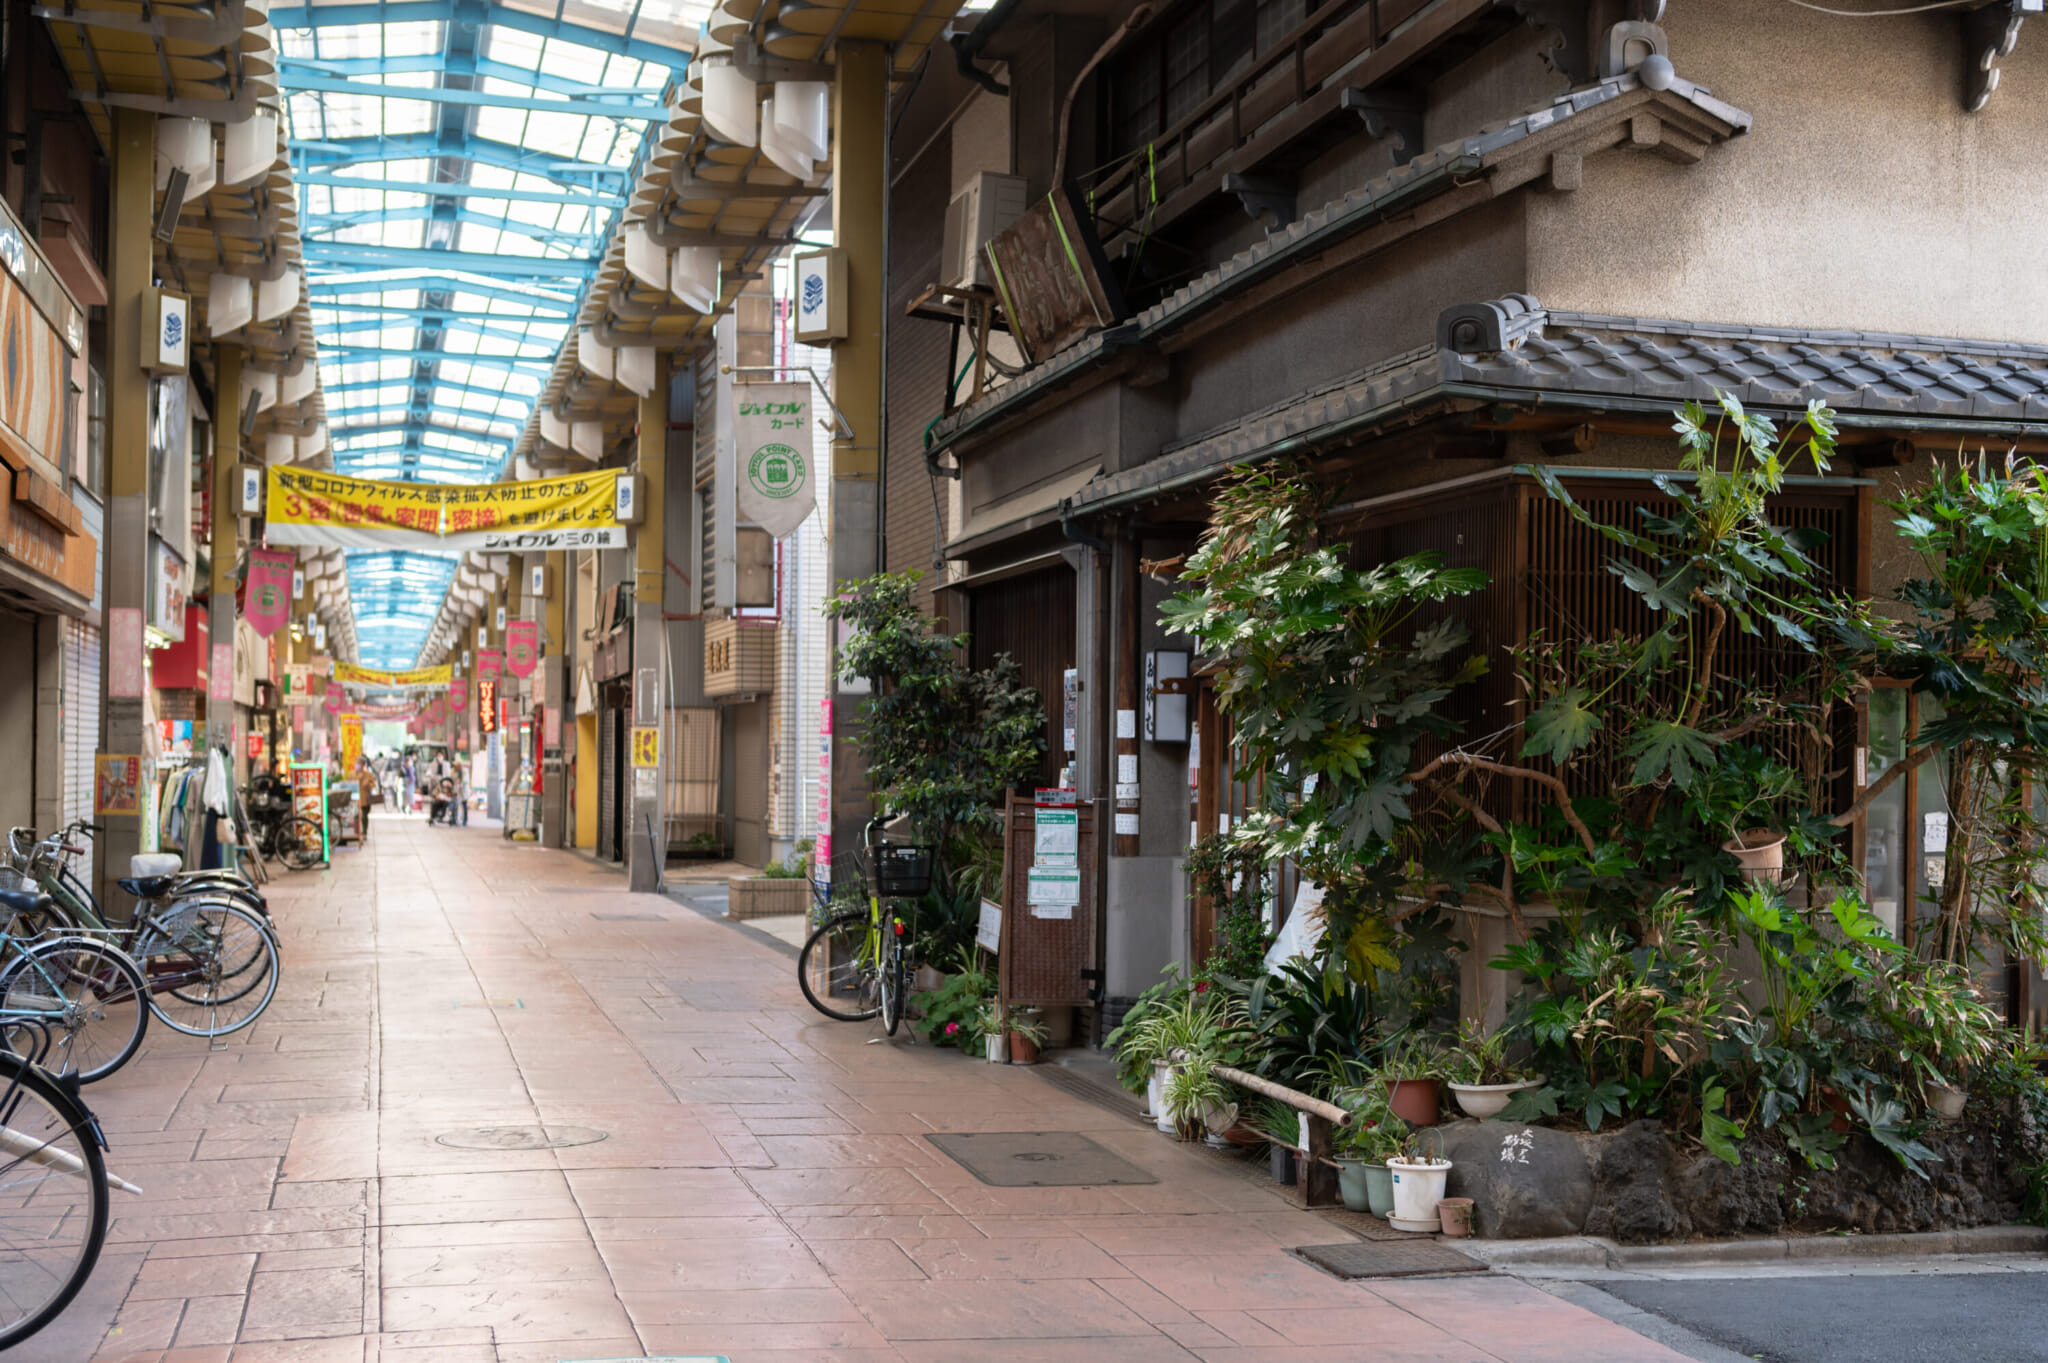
(24, 901)
(147, 887)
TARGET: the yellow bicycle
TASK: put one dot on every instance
(852, 968)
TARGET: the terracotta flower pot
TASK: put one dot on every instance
(1023, 1050)
(1415, 1101)
(1761, 854)
(1455, 1214)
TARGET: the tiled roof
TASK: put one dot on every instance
(1595, 362)
(1872, 373)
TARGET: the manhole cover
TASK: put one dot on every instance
(629, 917)
(1417, 1254)
(519, 1137)
(1037, 1159)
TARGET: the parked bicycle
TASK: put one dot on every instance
(211, 964)
(853, 967)
(54, 1195)
(277, 831)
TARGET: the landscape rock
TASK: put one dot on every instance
(1524, 1181)
(1631, 1184)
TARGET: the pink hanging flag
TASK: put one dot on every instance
(458, 692)
(522, 638)
(331, 702)
(489, 662)
(267, 604)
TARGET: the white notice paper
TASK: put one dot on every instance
(1127, 724)
(1057, 833)
(1052, 891)
(1127, 825)
(1126, 768)
(988, 934)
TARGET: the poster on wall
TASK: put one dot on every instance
(125, 675)
(117, 784)
(170, 591)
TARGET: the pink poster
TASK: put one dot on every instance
(124, 652)
(268, 603)
(220, 679)
(489, 662)
(522, 639)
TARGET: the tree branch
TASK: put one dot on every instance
(1883, 784)
(1555, 783)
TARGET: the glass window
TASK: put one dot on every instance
(1884, 844)
(95, 432)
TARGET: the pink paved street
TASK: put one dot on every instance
(763, 1193)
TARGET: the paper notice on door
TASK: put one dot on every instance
(1056, 833)
(1127, 768)
(1052, 891)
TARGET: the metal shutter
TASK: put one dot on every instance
(79, 725)
(608, 717)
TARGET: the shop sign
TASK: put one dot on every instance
(170, 589)
(309, 797)
(647, 746)
(487, 704)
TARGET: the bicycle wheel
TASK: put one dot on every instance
(53, 1199)
(837, 972)
(298, 842)
(212, 968)
(892, 975)
(90, 996)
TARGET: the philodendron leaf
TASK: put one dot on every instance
(1562, 727)
(1674, 596)
(1669, 748)
(1375, 811)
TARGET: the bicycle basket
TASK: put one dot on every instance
(902, 871)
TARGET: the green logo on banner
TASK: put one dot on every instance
(777, 471)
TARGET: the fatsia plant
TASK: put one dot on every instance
(1330, 686)
(943, 741)
(1975, 646)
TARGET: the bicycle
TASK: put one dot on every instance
(54, 1195)
(279, 833)
(852, 968)
(86, 988)
(211, 965)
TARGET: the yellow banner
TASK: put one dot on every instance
(351, 746)
(351, 675)
(306, 506)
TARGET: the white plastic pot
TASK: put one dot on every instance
(1162, 1114)
(1155, 1092)
(1947, 1102)
(1485, 1100)
(995, 1048)
(1418, 1187)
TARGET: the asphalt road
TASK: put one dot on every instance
(1896, 1318)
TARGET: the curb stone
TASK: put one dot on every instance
(1597, 1252)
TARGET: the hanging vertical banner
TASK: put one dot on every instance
(268, 602)
(458, 692)
(489, 662)
(351, 745)
(522, 647)
(821, 853)
(331, 703)
(772, 431)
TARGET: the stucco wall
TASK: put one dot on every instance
(1863, 198)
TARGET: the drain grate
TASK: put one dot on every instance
(520, 1137)
(1037, 1159)
(1410, 1257)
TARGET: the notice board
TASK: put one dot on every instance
(1048, 947)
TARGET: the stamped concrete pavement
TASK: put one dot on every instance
(762, 1189)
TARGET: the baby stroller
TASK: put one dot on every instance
(441, 804)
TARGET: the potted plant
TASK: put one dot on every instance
(1364, 1145)
(988, 1025)
(1409, 1067)
(1419, 1178)
(1479, 1074)
(1027, 1034)
(1733, 794)
(1455, 1215)
(1199, 1101)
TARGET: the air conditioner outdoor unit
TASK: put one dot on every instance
(988, 204)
